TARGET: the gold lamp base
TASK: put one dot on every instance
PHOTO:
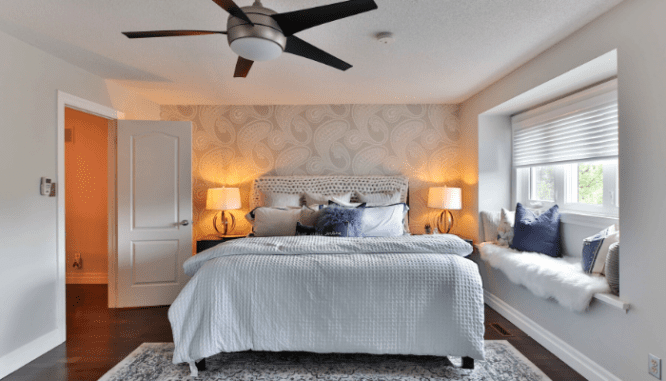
(445, 222)
(228, 224)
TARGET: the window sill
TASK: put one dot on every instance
(612, 301)
(591, 220)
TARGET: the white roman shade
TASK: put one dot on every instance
(581, 127)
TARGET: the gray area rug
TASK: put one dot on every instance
(152, 361)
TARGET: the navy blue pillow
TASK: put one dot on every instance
(540, 234)
(305, 230)
(340, 222)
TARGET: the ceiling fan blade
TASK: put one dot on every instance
(170, 33)
(233, 9)
(294, 22)
(301, 48)
(243, 67)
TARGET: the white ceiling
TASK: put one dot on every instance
(445, 50)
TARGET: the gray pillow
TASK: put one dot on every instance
(612, 268)
(339, 222)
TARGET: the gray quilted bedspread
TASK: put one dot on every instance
(402, 295)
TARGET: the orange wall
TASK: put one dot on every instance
(86, 192)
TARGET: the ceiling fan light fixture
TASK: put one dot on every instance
(256, 48)
(257, 33)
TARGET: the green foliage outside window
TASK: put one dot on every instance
(545, 185)
(590, 184)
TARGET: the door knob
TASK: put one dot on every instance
(184, 222)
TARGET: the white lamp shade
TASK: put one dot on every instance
(223, 199)
(445, 198)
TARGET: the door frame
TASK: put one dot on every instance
(74, 102)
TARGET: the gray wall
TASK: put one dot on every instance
(616, 341)
(29, 80)
(494, 162)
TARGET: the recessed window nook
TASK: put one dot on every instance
(502, 184)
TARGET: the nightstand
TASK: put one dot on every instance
(204, 244)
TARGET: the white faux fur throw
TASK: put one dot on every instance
(559, 278)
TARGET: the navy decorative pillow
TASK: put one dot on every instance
(340, 222)
(305, 230)
(595, 249)
(540, 234)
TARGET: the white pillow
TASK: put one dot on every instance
(383, 221)
(318, 198)
(282, 200)
(505, 228)
(273, 222)
(384, 199)
(379, 199)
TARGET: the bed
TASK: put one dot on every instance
(414, 295)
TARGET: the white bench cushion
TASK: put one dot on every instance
(562, 279)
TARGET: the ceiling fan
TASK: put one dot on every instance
(257, 33)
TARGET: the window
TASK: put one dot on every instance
(566, 153)
(542, 183)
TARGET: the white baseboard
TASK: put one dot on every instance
(87, 278)
(565, 352)
(19, 357)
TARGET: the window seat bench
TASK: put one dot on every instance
(612, 300)
(561, 279)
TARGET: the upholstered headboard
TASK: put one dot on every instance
(327, 185)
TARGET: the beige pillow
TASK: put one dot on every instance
(274, 222)
(310, 215)
(379, 199)
(320, 199)
(282, 200)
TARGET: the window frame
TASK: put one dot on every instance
(565, 190)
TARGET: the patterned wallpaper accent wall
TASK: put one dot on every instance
(232, 145)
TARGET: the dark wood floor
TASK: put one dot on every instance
(99, 338)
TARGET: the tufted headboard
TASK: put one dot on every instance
(327, 185)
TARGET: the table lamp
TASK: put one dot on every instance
(223, 199)
(448, 199)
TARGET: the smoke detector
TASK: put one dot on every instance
(385, 38)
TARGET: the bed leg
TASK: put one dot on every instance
(201, 365)
(467, 363)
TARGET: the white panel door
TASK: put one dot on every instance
(154, 211)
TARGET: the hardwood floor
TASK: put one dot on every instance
(99, 338)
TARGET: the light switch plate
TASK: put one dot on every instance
(45, 186)
(654, 366)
